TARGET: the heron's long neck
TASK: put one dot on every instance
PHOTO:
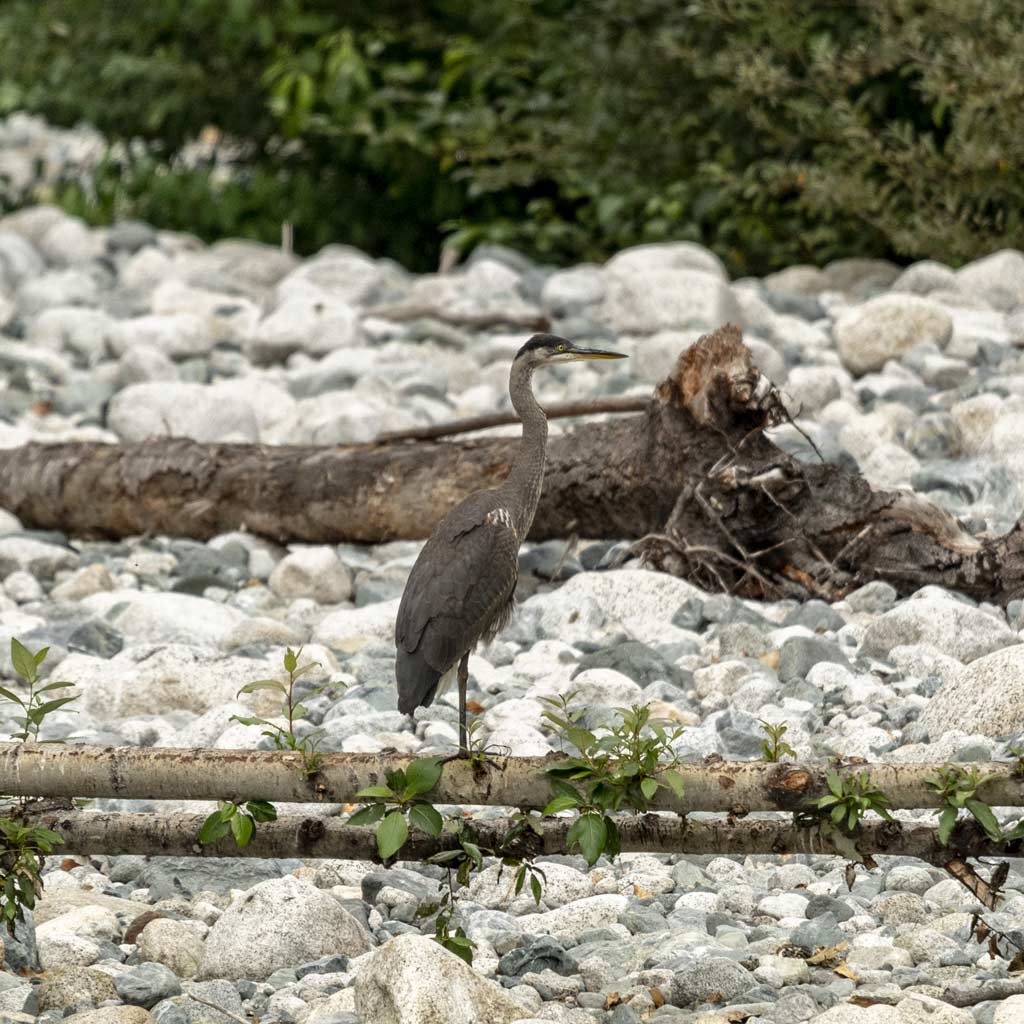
(524, 482)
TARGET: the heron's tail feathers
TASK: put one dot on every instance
(417, 683)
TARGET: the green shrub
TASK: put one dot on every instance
(773, 133)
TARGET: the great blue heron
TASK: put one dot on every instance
(460, 590)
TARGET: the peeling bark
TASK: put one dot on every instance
(155, 773)
(93, 833)
(695, 478)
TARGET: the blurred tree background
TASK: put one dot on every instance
(773, 132)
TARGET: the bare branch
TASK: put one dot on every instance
(558, 410)
(475, 321)
(992, 990)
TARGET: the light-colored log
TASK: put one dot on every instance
(93, 833)
(155, 773)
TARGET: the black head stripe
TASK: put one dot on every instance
(550, 342)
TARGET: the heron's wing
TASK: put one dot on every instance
(463, 579)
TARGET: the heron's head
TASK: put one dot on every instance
(544, 349)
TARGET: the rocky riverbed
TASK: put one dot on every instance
(914, 375)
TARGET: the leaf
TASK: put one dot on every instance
(562, 802)
(649, 787)
(262, 810)
(426, 819)
(214, 828)
(835, 784)
(535, 888)
(243, 827)
(60, 685)
(462, 948)
(947, 819)
(613, 844)
(845, 971)
(291, 660)
(520, 879)
(4, 692)
(367, 815)
(589, 833)
(581, 739)
(675, 780)
(984, 816)
(52, 705)
(474, 853)
(262, 684)
(381, 792)
(422, 775)
(392, 833)
(24, 661)
(444, 856)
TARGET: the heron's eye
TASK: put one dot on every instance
(561, 348)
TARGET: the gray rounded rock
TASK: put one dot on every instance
(279, 923)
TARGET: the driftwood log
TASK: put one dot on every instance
(171, 773)
(92, 833)
(694, 479)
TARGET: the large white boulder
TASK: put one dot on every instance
(315, 572)
(886, 327)
(642, 300)
(180, 409)
(986, 697)
(413, 980)
(950, 626)
(997, 279)
(282, 922)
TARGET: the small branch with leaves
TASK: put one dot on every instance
(623, 768)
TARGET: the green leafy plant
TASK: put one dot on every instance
(400, 803)
(240, 820)
(283, 736)
(774, 747)
(1018, 754)
(23, 847)
(848, 800)
(461, 861)
(22, 852)
(624, 767)
(957, 788)
(35, 707)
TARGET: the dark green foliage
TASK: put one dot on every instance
(773, 133)
(625, 767)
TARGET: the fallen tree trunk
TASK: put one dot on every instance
(93, 833)
(155, 773)
(695, 476)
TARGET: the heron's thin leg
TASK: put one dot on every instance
(463, 680)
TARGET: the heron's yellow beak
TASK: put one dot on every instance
(591, 353)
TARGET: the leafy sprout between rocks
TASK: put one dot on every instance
(284, 737)
(624, 767)
(241, 820)
(403, 802)
(838, 814)
(957, 788)
(23, 847)
(774, 747)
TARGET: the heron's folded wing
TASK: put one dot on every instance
(458, 585)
